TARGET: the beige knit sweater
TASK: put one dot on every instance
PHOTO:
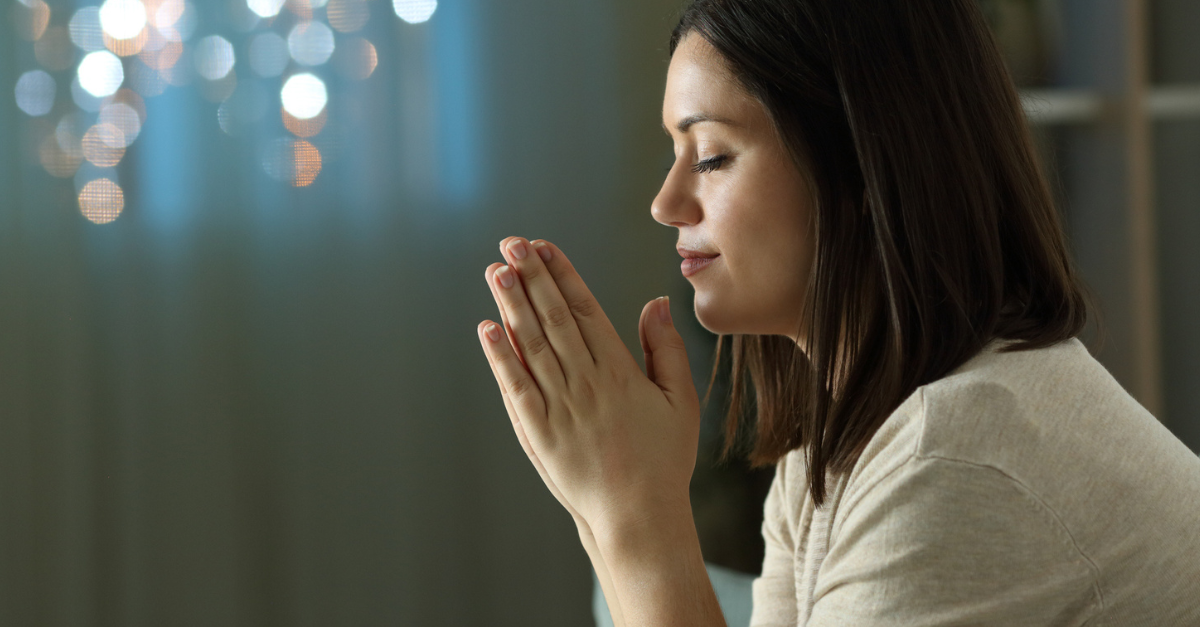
(1024, 488)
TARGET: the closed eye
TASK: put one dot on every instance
(710, 164)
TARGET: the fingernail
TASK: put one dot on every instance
(543, 251)
(506, 278)
(493, 332)
(518, 249)
(664, 309)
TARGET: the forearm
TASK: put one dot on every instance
(606, 584)
(658, 573)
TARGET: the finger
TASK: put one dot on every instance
(540, 358)
(602, 339)
(558, 323)
(519, 429)
(487, 275)
(646, 344)
(513, 416)
(521, 392)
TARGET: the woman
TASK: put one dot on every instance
(858, 198)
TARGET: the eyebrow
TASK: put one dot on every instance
(690, 120)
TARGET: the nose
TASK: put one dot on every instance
(676, 203)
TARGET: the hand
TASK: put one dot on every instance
(613, 445)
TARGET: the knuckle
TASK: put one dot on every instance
(584, 392)
(535, 346)
(583, 306)
(557, 316)
(520, 388)
(530, 273)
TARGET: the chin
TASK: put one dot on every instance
(736, 316)
(720, 318)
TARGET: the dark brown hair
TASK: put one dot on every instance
(935, 228)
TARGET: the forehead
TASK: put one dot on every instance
(698, 82)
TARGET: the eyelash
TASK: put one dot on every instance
(707, 165)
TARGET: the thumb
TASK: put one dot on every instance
(667, 351)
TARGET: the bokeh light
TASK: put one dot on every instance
(165, 57)
(268, 54)
(356, 58)
(310, 43)
(415, 11)
(265, 8)
(53, 50)
(31, 18)
(127, 47)
(214, 57)
(167, 13)
(58, 162)
(293, 161)
(304, 128)
(183, 25)
(101, 73)
(98, 145)
(122, 19)
(123, 117)
(101, 201)
(35, 92)
(132, 99)
(304, 95)
(82, 98)
(347, 16)
(85, 29)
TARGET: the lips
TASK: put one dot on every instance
(695, 254)
(693, 265)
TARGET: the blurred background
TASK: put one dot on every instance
(242, 246)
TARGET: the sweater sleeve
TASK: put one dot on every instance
(941, 542)
(774, 592)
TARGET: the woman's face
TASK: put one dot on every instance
(734, 191)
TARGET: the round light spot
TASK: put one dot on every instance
(127, 47)
(101, 201)
(268, 54)
(183, 27)
(415, 11)
(101, 73)
(356, 59)
(165, 57)
(35, 92)
(167, 13)
(307, 163)
(31, 18)
(122, 19)
(265, 8)
(293, 161)
(82, 98)
(69, 133)
(98, 145)
(310, 43)
(304, 96)
(123, 117)
(304, 128)
(85, 29)
(347, 16)
(214, 57)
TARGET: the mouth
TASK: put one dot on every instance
(693, 265)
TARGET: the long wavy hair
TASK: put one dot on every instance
(936, 231)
